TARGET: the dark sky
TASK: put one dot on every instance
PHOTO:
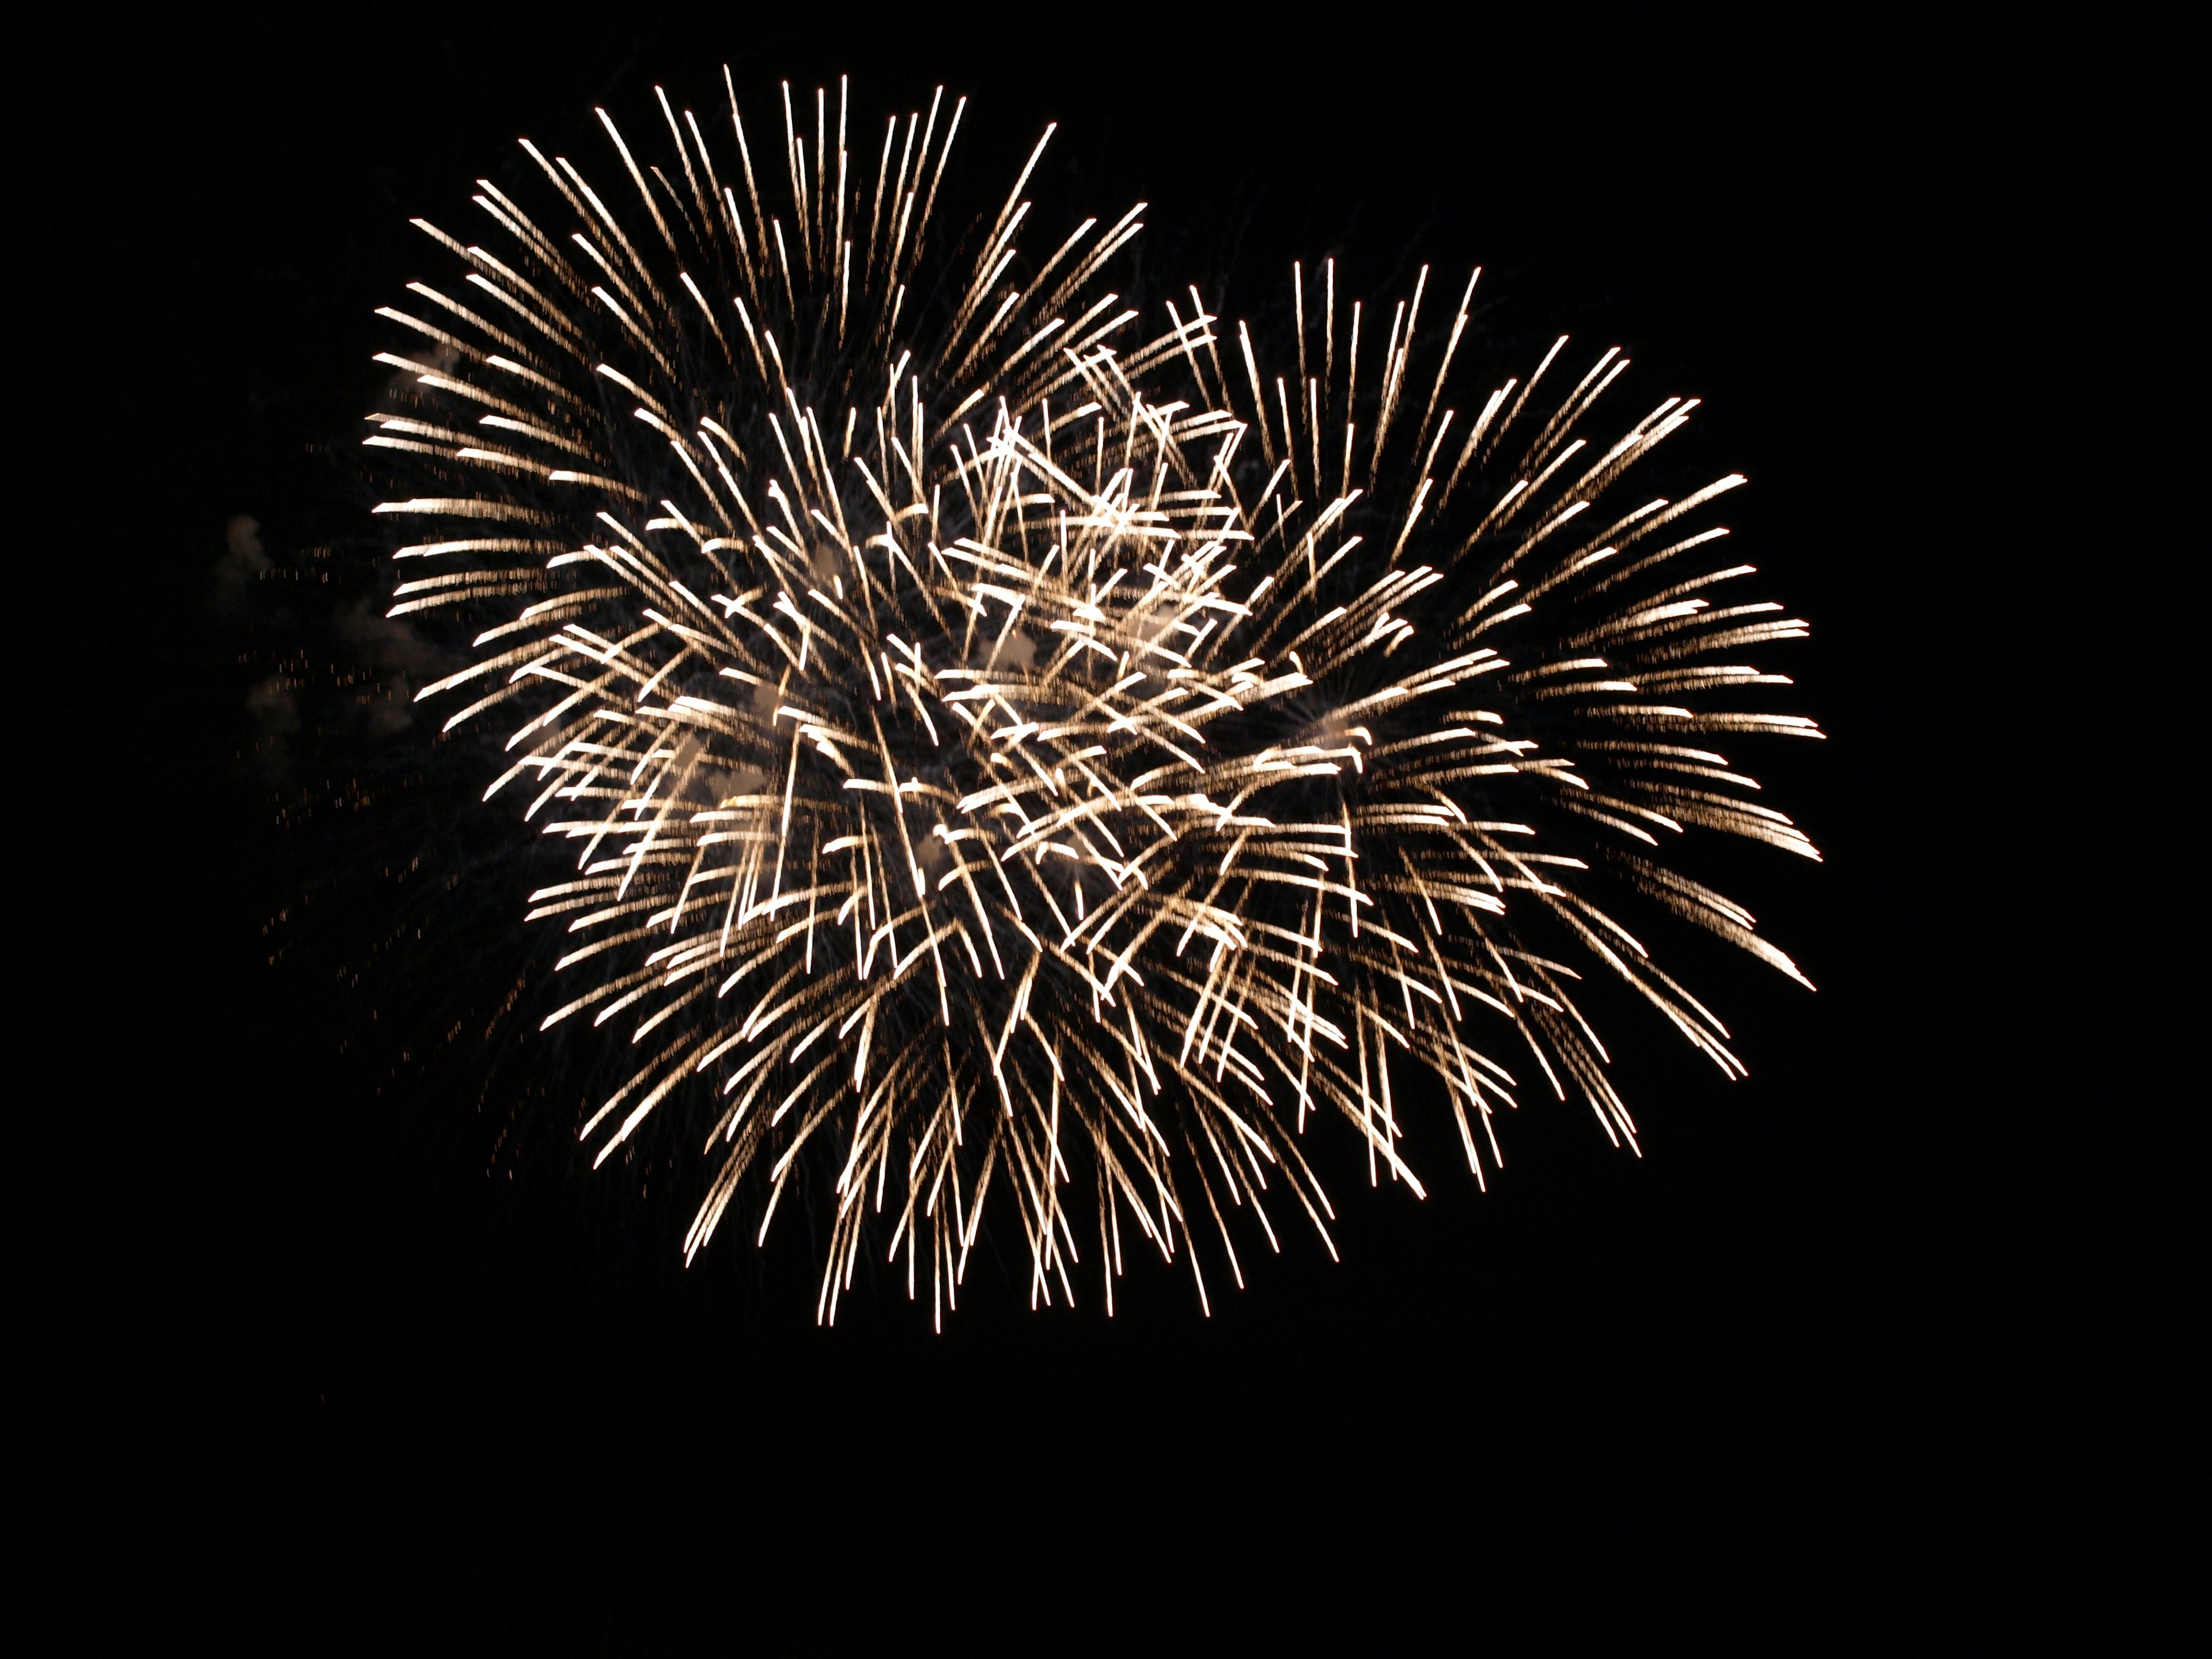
(1796, 1371)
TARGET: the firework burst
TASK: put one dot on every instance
(1005, 754)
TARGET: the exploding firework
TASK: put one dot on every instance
(1003, 752)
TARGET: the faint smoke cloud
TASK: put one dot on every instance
(404, 660)
(242, 562)
(276, 712)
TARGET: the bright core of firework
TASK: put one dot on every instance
(1003, 759)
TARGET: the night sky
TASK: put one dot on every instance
(1856, 1349)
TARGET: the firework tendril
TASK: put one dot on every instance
(1004, 755)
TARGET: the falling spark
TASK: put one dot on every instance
(984, 761)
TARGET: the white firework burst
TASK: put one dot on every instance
(995, 749)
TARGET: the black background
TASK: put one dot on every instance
(1871, 1346)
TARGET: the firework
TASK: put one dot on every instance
(1005, 753)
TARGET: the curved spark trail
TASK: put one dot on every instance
(1004, 758)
